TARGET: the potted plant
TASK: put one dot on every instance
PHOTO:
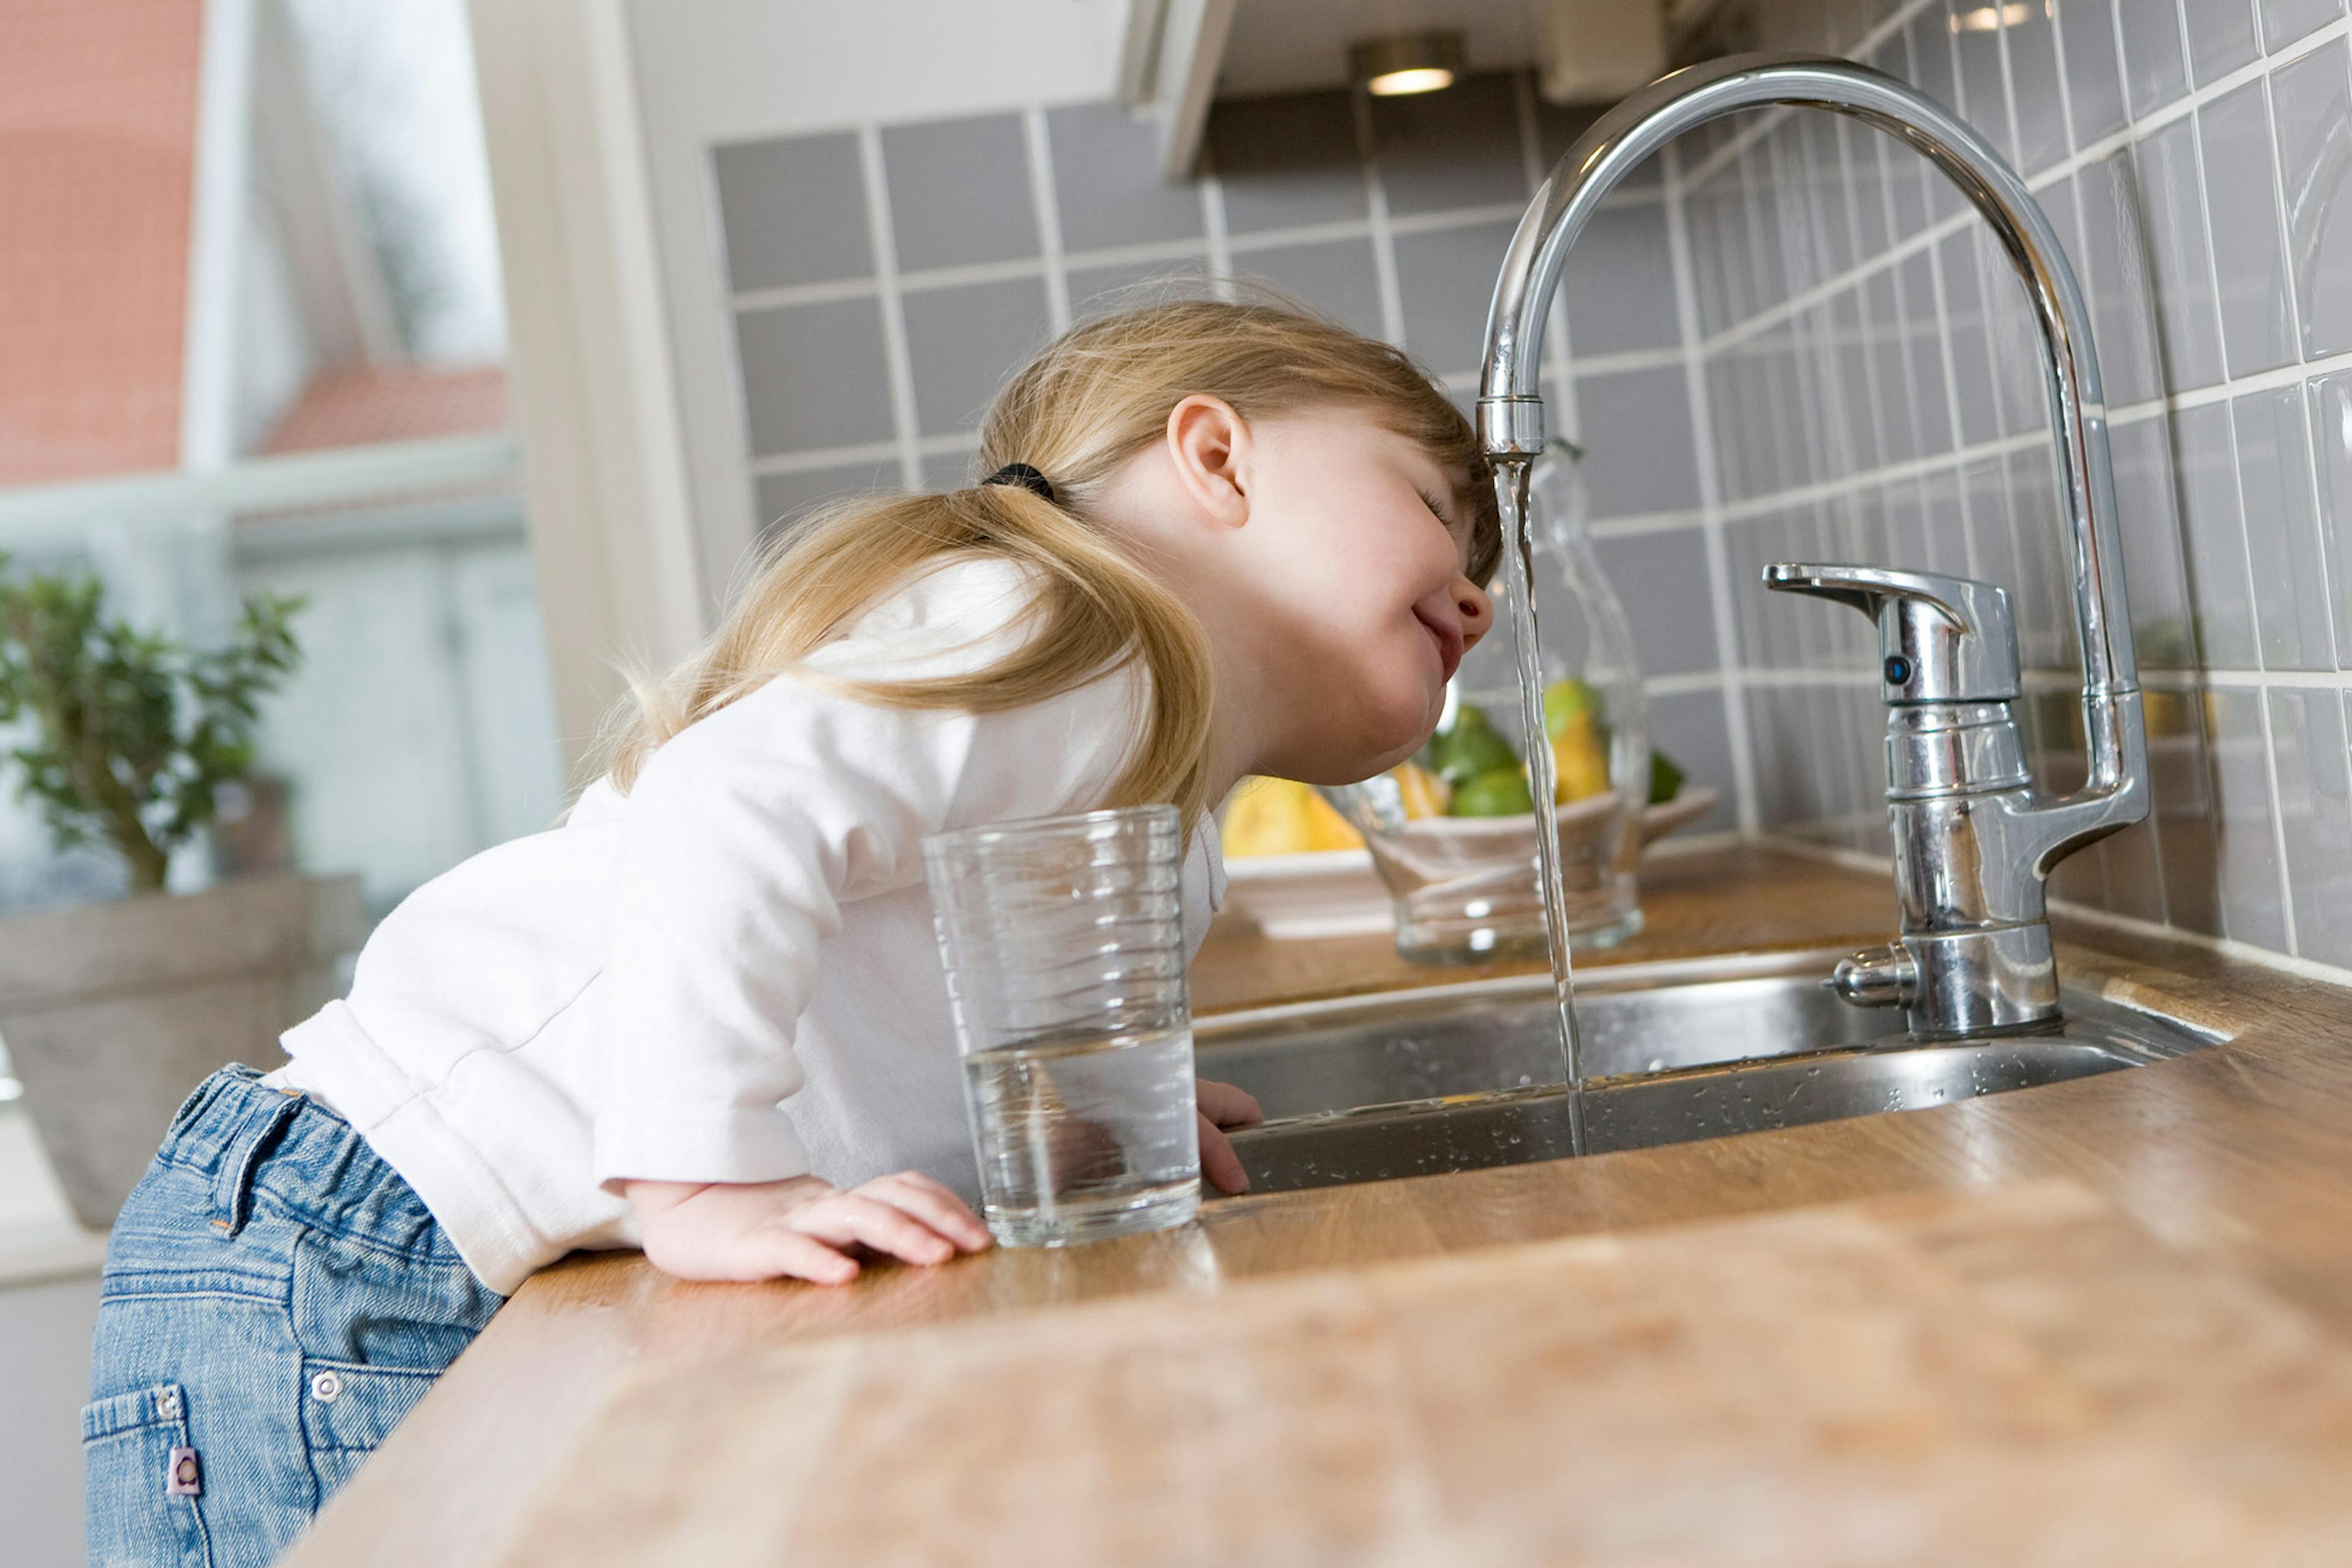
(112, 1012)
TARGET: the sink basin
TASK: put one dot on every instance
(1459, 1077)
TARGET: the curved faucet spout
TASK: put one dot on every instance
(1510, 406)
(1973, 843)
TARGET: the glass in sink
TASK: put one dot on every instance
(1454, 1078)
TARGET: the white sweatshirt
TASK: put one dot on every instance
(728, 975)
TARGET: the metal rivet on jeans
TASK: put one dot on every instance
(326, 1385)
(167, 1405)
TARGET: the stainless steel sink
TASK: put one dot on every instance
(1460, 1077)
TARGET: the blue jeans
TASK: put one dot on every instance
(276, 1299)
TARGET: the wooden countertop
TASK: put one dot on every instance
(2238, 1157)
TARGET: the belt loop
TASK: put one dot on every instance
(243, 1150)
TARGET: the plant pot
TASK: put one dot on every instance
(113, 1012)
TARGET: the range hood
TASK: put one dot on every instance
(1180, 55)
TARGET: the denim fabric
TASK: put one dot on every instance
(275, 1300)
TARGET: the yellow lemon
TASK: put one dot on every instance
(1326, 829)
(1580, 759)
(1266, 817)
(1283, 816)
(1425, 793)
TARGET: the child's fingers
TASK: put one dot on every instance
(933, 1203)
(1225, 1105)
(789, 1253)
(846, 1218)
(1218, 1161)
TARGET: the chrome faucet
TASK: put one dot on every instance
(1973, 847)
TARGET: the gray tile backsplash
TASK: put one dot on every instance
(1338, 277)
(2221, 38)
(2312, 103)
(2156, 68)
(2173, 143)
(2249, 255)
(2328, 401)
(814, 376)
(1106, 181)
(1612, 296)
(2315, 818)
(963, 341)
(1864, 360)
(1446, 278)
(2093, 86)
(2283, 553)
(960, 192)
(782, 497)
(824, 236)
(1125, 285)
(2284, 21)
(2181, 250)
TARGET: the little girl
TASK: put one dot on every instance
(705, 1016)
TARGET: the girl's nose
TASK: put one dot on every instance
(1478, 608)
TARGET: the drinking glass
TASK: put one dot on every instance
(1064, 942)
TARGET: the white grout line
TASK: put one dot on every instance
(1038, 141)
(1710, 489)
(1172, 250)
(1687, 681)
(1635, 525)
(2278, 824)
(1846, 484)
(870, 452)
(1557, 346)
(1376, 214)
(1219, 237)
(2295, 334)
(1581, 366)
(885, 241)
(2269, 958)
(825, 293)
(1456, 217)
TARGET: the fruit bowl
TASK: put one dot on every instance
(1338, 892)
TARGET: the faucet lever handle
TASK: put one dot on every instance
(1943, 639)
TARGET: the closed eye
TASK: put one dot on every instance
(1437, 510)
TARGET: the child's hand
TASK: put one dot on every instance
(802, 1229)
(1223, 1106)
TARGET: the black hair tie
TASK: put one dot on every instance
(1021, 474)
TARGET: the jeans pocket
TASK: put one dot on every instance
(348, 1409)
(142, 1508)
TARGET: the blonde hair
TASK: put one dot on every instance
(1096, 396)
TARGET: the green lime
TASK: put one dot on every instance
(1666, 778)
(1502, 793)
(1563, 699)
(1471, 747)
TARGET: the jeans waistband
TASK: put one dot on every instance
(317, 1165)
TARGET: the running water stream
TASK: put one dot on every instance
(1511, 476)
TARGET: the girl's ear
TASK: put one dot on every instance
(1209, 447)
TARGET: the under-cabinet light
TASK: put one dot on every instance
(1990, 19)
(1406, 62)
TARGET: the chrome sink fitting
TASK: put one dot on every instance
(1973, 847)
